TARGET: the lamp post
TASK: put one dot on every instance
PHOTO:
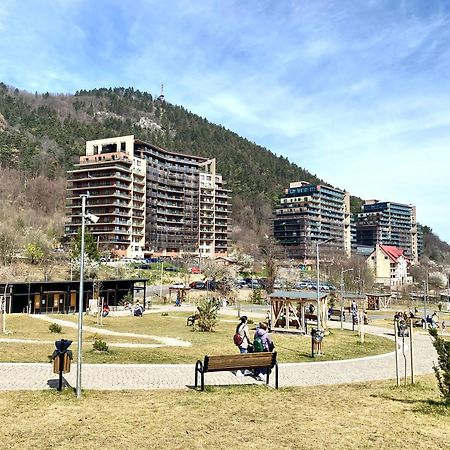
(93, 219)
(342, 294)
(425, 299)
(318, 278)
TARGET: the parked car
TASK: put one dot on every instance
(143, 266)
(195, 270)
(177, 286)
(197, 285)
(152, 260)
(210, 285)
(255, 284)
(171, 269)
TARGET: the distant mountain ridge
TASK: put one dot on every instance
(46, 133)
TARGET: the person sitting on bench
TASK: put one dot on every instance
(138, 310)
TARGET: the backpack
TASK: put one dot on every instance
(238, 339)
(258, 345)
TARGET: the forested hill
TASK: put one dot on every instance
(45, 133)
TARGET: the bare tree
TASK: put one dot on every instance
(271, 253)
(8, 244)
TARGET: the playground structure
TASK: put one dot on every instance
(289, 310)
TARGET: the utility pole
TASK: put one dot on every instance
(80, 298)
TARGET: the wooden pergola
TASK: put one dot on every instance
(291, 305)
(378, 301)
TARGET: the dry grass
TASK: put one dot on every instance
(291, 348)
(360, 416)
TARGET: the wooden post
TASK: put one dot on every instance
(101, 309)
(287, 315)
(411, 349)
(361, 325)
(302, 313)
(397, 375)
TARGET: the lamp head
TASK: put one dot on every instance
(93, 218)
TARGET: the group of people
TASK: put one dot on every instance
(262, 342)
(431, 321)
(136, 310)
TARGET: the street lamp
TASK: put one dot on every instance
(342, 294)
(93, 219)
(425, 299)
(318, 277)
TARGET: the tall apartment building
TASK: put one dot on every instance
(150, 200)
(308, 214)
(388, 223)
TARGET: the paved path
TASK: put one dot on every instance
(29, 376)
(164, 341)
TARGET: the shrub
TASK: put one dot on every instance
(442, 369)
(332, 301)
(55, 328)
(100, 345)
(257, 297)
(127, 298)
(207, 314)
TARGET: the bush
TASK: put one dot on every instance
(257, 297)
(100, 345)
(55, 328)
(442, 369)
(207, 314)
(127, 298)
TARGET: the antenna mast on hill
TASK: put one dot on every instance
(161, 96)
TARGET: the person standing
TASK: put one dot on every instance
(243, 332)
(263, 339)
(242, 340)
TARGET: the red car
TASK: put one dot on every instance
(195, 270)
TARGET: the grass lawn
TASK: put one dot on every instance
(291, 348)
(359, 416)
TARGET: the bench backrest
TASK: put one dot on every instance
(239, 361)
(310, 316)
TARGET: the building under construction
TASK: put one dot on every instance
(308, 214)
(150, 201)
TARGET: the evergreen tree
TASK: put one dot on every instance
(90, 246)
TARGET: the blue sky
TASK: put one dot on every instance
(357, 92)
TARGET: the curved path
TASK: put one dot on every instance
(28, 376)
(164, 341)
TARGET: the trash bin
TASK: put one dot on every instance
(62, 357)
(403, 330)
(316, 341)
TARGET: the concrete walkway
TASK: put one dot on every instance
(164, 341)
(31, 376)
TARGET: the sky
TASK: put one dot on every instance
(357, 92)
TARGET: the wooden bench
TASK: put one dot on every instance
(246, 361)
(311, 317)
(336, 315)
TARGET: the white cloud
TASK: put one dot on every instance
(356, 92)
